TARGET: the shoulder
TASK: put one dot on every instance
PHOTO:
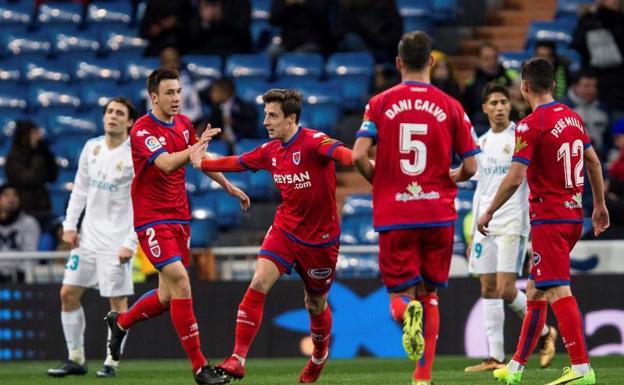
(142, 126)
(183, 120)
(28, 220)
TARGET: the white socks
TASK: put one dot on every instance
(73, 328)
(519, 306)
(494, 314)
(319, 361)
(514, 366)
(581, 368)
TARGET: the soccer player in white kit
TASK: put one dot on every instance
(101, 254)
(498, 259)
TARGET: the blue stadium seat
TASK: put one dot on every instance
(445, 10)
(418, 23)
(227, 208)
(246, 145)
(7, 123)
(573, 55)
(299, 66)
(59, 197)
(322, 108)
(463, 201)
(69, 14)
(96, 72)
(54, 98)
(12, 100)
(75, 124)
(219, 148)
(204, 69)
(136, 92)
(45, 71)
(117, 13)
(16, 13)
(75, 45)
(122, 44)
(358, 230)
(357, 205)
(558, 31)
(357, 266)
(10, 73)
(262, 33)
(139, 69)
(250, 66)
(353, 71)
(571, 7)
(67, 148)
(513, 60)
(204, 227)
(251, 90)
(415, 8)
(95, 98)
(260, 9)
(260, 183)
(26, 44)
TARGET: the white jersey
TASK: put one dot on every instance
(102, 184)
(494, 161)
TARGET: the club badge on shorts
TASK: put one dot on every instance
(155, 250)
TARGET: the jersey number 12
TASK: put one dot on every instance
(564, 154)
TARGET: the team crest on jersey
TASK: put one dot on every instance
(155, 250)
(507, 149)
(186, 135)
(119, 165)
(522, 127)
(152, 143)
(520, 145)
(96, 150)
(297, 157)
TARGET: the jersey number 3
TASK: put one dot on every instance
(417, 164)
(564, 154)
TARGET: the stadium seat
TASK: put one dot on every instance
(260, 9)
(251, 90)
(95, 98)
(227, 208)
(358, 230)
(16, 14)
(10, 73)
(112, 13)
(139, 69)
(353, 72)
(45, 71)
(321, 109)
(262, 33)
(357, 205)
(463, 201)
(203, 227)
(94, 73)
(75, 45)
(26, 44)
(260, 183)
(136, 92)
(357, 266)
(293, 67)
(59, 197)
(571, 7)
(415, 8)
(218, 148)
(68, 14)
(513, 60)
(204, 69)
(573, 55)
(418, 23)
(57, 98)
(445, 10)
(67, 147)
(12, 100)
(122, 44)
(74, 124)
(249, 66)
(558, 31)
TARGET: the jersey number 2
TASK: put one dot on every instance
(416, 165)
(564, 154)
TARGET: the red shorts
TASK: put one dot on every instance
(552, 244)
(408, 256)
(316, 265)
(166, 243)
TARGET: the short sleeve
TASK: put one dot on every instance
(190, 131)
(368, 129)
(255, 159)
(323, 144)
(145, 144)
(526, 141)
(464, 141)
(586, 139)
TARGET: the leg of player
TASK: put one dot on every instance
(109, 369)
(73, 321)
(428, 297)
(320, 330)
(249, 316)
(407, 311)
(570, 323)
(494, 316)
(517, 301)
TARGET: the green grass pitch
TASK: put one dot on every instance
(362, 371)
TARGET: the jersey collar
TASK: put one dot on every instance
(160, 122)
(415, 83)
(548, 104)
(291, 140)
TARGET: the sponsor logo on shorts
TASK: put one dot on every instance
(536, 258)
(321, 273)
(152, 143)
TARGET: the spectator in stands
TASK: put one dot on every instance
(442, 75)
(599, 38)
(29, 166)
(548, 50)
(488, 70)
(583, 98)
(615, 186)
(164, 24)
(18, 232)
(191, 104)
(221, 27)
(384, 77)
(236, 118)
(519, 107)
(304, 25)
(368, 25)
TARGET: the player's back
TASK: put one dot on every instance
(418, 129)
(551, 141)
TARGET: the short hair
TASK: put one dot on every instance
(157, 76)
(415, 49)
(133, 113)
(547, 44)
(540, 75)
(288, 99)
(225, 84)
(492, 88)
(6, 186)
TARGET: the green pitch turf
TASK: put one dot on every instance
(363, 371)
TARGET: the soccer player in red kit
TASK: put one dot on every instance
(305, 232)
(160, 143)
(416, 128)
(552, 147)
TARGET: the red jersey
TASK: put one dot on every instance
(306, 177)
(551, 142)
(417, 127)
(158, 197)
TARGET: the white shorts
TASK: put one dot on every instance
(99, 271)
(503, 253)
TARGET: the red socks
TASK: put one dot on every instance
(431, 326)
(320, 328)
(398, 304)
(532, 325)
(248, 321)
(147, 306)
(183, 319)
(571, 328)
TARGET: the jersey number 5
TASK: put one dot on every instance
(564, 154)
(416, 165)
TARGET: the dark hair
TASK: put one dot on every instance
(492, 88)
(157, 76)
(289, 100)
(133, 114)
(547, 44)
(540, 75)
(21, 136)
(6, 186)
(486, 44)
(225, 84)
(415, 50)
(588, 74)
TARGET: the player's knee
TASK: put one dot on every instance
(506, 291)
(489, 291)
(315, 306)
(69, 298)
